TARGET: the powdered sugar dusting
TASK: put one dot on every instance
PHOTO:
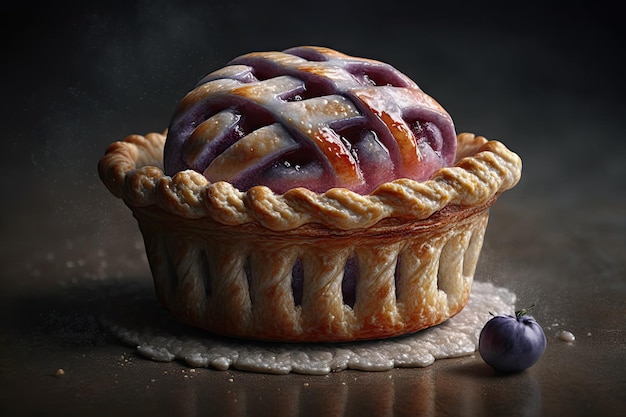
(163, 339)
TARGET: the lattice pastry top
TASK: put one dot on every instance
(309, 117)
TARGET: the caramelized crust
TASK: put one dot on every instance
(132, 170)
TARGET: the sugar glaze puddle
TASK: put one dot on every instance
(159, 337)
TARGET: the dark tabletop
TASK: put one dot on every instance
(545, 81)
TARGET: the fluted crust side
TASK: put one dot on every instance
(238, 282)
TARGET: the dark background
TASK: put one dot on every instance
(546, 80)
(78, 76)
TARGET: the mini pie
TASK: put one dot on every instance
(310, 196)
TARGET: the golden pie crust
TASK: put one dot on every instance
(223, 259)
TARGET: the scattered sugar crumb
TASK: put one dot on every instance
(566, 336)
(60, 372)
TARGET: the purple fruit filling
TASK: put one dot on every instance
(309, 117)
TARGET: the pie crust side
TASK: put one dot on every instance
(224, 260)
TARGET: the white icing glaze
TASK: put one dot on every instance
(161, 339)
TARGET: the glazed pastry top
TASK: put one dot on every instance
(309, 117)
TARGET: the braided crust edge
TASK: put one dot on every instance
(132, 169)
